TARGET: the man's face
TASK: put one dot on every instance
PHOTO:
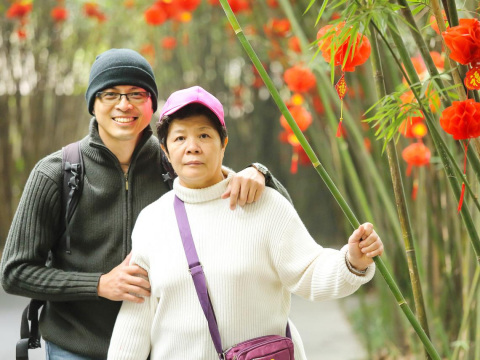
(122, 121)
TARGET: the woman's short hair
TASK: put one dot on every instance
(194, 109)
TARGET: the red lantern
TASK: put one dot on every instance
(236, 5)
(18, 10)
(272, 3)
(472, 78)
(416, 154)
(464, 41)
(326, 41)
(438, 60)
(277, 27)
(413, 127)
(462, 120)
(155, 15)
(59, 14)
(90, 9)
(301, 116)
(169, 43)
(294, 44)
(189, 5)
(299, 79)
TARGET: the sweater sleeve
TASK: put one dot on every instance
(311, 271)
(131, 339)
(34, 231)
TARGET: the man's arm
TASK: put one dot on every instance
(34, 231)
(248, 185)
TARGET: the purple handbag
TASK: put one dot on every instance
(270, 347)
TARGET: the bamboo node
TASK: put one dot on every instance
(316, 164)
(402, 303)
(238, 31)
(410, 250)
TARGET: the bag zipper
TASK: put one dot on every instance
(254, 347)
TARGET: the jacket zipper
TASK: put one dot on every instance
(126, 181)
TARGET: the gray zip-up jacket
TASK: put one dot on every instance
(75, 317)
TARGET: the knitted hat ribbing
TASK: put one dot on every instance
(120, 67)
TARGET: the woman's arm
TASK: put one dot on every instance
(311, 271)
(131, 339)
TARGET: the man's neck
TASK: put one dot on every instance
(123, 150)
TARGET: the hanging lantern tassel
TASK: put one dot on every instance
(341, 88)
(464, 173)
(415, 189)
(294, 166)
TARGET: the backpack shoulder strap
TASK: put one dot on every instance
(73, 174)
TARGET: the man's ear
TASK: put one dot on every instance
(166, 152)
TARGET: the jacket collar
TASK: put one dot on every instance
(97, 149)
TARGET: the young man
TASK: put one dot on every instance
(88, 279)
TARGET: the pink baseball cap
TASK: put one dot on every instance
(195, 94)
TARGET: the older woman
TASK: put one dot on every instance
(253, 258)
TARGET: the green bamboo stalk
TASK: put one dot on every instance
(468, 310)
(326, 178)
(477, 331)
(400, 196)
(325, 88)
(441, 148)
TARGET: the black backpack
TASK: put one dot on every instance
(72, 164)
(74, 171)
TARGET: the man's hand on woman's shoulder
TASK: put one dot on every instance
(246, 187)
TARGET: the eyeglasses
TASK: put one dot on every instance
(135, 98)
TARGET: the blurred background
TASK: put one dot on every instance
(47, 48)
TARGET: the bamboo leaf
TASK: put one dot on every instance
(309, 6)
(322, 9)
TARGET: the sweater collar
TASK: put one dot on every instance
(203, 195)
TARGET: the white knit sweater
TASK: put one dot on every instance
(253, 258)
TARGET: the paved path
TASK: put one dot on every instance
(325, 331)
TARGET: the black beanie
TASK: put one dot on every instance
(120, 67)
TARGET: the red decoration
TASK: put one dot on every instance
(301, 116)
(19, 10)
(22, 34)
(434, 24)
(129, 4)
(277, 27)
(299, 79)
(413, 127)
(462, 120)
(294, 44)
(236, 5)
(189, 5)
(326, 37)
(472, 78)
(438, 60)
(272, 3)
(92, 11)
(464, 41)
(416, 154)
(169, 43)
(59, 14)
(341, 88)
(155, 15)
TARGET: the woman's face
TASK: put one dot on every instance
(195, 151)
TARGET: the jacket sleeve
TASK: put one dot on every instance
(312, 271)
(34, 231)
(277, 185)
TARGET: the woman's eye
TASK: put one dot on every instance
(204, 136)
(180, 138)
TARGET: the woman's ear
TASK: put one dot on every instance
(166, 152)
(226, 142)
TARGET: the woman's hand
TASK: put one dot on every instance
(361, 252)
(246, 187)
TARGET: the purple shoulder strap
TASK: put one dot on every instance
(196, 270)
(198, 276)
